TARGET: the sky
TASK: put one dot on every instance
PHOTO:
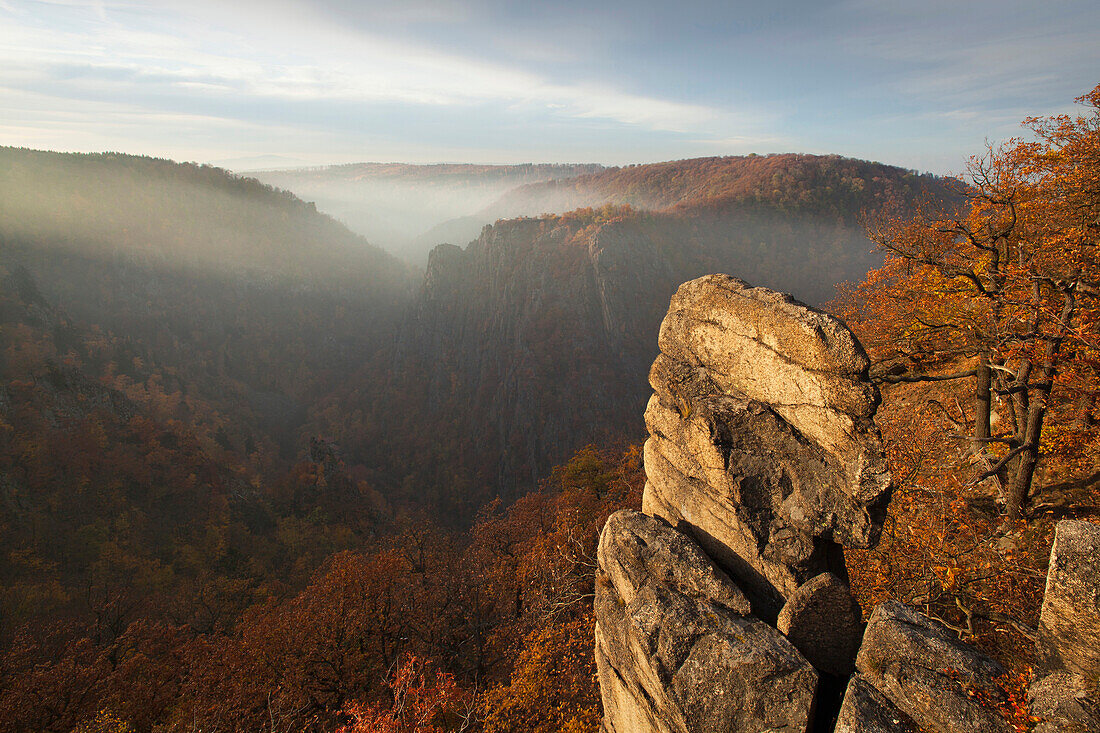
(922, 83)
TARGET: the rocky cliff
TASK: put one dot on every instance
(534, 304)
(724, 606)
(534, 340)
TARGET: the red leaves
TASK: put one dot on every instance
(424, 700)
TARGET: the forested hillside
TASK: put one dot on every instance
(164, 332)
(823, 185)
(165, 214)
(247, 292)
(284, 326)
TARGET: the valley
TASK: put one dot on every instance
(225, 412)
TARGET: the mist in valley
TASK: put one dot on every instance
(409, 209)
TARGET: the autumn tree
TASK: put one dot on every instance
(552, 688)
(1005, 287)
(424, 700)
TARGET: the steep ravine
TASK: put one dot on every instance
(534, 340)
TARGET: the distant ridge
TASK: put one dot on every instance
(443, 172)
(780, 181)
(535, 339)
(179, 214)
(396, 205)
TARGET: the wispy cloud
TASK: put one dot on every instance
(991, 54)
(318, 64)
(601, 79)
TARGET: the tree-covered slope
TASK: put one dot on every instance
(180, 215)
(536, 338)
(828, 185)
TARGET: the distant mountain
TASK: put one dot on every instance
(826, 185)
(171, 214)
(166, 332)
(396, 205)
(253, 300)
(533, 340)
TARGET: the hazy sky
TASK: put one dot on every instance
(918, 83)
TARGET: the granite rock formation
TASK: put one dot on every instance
(930, 675)
(866, 710)
(762, 441)
(1066, 691)
(1071, 603)
(763, 450)
(724, 607)
(824, 622)
(676, 647)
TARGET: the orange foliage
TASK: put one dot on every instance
(1009, 281)
(1005, 289)
(552, 686)
(425, 700)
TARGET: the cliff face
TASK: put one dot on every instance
(724, 607)
(534, 339)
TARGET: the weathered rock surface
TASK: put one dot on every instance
(674, 652)
(1069, 624)
(762, 442)
(824, 622)
(636, 549)
(1066, 692)
(930, 675)
(764, 459)
(1066, 702)
(866, 710)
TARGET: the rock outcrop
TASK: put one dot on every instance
(533, 304)
(676, 647)
(762, 444)
(764, 452)
(824, 622)
(1066, 691)
(866, 710)
(725, 607)
(922, 667)
(1071, 603)
(1066, 702)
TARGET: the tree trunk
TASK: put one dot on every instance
(1018, 491)
(1038, 396)
(983, 400)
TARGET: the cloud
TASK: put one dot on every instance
(978, 55)
(109, 55)
(600, 78)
